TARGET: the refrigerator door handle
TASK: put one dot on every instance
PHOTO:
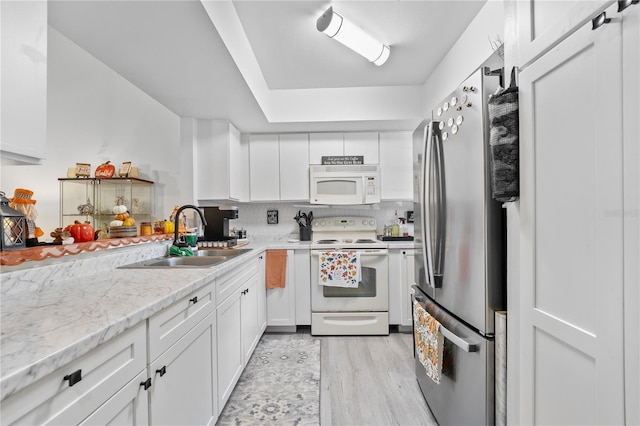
(441, 204)
(425, 197)
(457, 340)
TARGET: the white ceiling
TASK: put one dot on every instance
(263, 65)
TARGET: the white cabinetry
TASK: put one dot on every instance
(571, 307)
(102, 373)
(262, 295)
(264, 159)
(359, 143)
(237, 322)
(279, 167)
(23, 81)
(182, 361)
(281, 302)
(542, 23)
(302, 280)
(220, 160)
(401, 278)
(294, 167)
(396, 165)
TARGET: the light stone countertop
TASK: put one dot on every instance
(47, 322)
(53, 314)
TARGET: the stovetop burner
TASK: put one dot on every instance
(364, 241)
(326, 241)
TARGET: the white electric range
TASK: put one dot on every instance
(350, 311)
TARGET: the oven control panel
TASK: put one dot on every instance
(344, 223)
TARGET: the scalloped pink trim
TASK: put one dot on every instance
(12, 258)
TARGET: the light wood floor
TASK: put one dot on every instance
(367, 380)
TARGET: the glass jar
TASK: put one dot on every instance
(145, 228)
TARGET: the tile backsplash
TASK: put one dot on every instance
(253, 217)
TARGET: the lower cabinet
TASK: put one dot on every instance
(127, 407)
(262, 294)
(281, 302)
(183, 390)
(401, 278)
(75, 391)
(239, 329)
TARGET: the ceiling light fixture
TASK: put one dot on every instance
(355, 38)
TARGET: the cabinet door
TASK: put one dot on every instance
(183, 389)
(103, 371)
(294, 167)
(264, 160)
(23, 87)
(395, 285)
(238, 166)
(249, 311)
(362, 143)
(281, 302)
(543, 23)
(302, 280)
(396, 165)
(262, 295)
(408, 279)
(325, 144)
(130, 406)
(571, 283)
(230, 352)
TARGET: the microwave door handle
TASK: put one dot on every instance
(441, 208)
(425, 203)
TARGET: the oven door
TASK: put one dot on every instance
(337, 189)
(372, 294)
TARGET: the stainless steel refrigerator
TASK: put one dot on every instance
(460, 249)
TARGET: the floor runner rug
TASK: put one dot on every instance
(279, 386)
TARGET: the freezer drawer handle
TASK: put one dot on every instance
(458, 341)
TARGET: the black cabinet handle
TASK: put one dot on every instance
(162, 371)
(261, 257)
(146, 384)
(623, 4)
(194, 300)
(600, 20)
(74, 377)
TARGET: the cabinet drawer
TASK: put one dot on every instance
(104, 371)
(170, 324)
(228, 283)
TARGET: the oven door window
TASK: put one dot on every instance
(366, 287)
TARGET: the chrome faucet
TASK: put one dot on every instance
(176, 241)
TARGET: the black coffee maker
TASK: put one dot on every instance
(217, 227)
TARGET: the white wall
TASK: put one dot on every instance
(95, 115)
(470, 51)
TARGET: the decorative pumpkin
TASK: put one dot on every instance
(119, 209)
(116, 223)
(81, 232)
(122, 216)
(169, 227)
(129, 222)
(105, 170)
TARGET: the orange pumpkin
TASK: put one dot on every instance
(105, 170)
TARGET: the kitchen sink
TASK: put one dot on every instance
(201, 259)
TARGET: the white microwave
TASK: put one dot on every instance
(348, 184)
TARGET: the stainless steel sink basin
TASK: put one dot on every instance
(201, 259)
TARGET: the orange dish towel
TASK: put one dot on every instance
(429, 341)
(276, 269)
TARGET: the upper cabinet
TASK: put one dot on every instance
(220, 159)
(279, 167)
(294, 167)
(357, 143)
(23, 87)
(544, 23)
(396, 166)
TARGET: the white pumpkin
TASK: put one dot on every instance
(119, 209)
(116, 223)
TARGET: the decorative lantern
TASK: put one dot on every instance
(13, 226)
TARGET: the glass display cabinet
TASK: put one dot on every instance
(93, 199)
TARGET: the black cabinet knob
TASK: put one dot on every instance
(146, 384)
(74, 377)
(162, 371)
(194, 300)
